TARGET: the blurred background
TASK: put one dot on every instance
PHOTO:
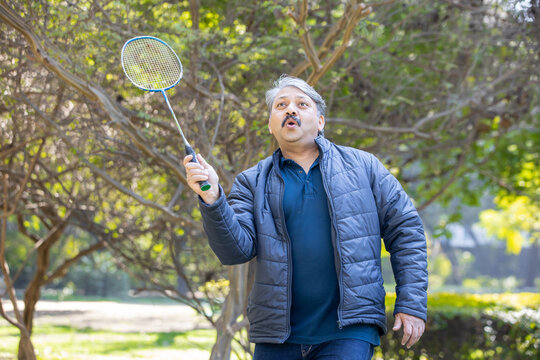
(102, 250)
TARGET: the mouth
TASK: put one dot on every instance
(291, 121)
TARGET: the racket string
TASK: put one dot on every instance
(151, 64)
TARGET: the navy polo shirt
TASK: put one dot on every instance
(315, 290)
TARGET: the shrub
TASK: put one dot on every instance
(472, 326)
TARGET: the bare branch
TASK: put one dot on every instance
(360, 11)
(299, 17)
(92, 91)
(180, 271)
(207, 93)
(5, 268)
(61, 270)
(22, 229)
(354, 12)
(24, 181)
(194, 11)
(221, 104)
(8, 150)
(455, 173)
(379, 129)
(111, 181)
(12, 19)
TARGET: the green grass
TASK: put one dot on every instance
(64, 342)
(124, 299)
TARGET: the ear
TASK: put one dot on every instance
(321, 123)
(269, 128)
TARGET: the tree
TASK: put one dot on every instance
(41, 192)
(432, 88)
(517, 215)
(42, 199)
(516, 218)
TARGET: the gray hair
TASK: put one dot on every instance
(286, 80)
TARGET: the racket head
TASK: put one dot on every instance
(151, 64)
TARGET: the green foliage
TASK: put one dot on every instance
(515, 215)
(470, 326)
(516, 218)
(445, 94)
(439, 269)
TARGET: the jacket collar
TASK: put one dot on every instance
(323, 144)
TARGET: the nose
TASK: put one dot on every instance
(291, 109)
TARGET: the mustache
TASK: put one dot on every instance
(294, 117)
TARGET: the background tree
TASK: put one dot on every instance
(517, 217)
(436, 89)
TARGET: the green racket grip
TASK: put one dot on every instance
(205, 185)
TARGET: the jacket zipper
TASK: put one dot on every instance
(289, 257)
(336, 246)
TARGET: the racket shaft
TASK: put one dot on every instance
(205, 185)
(174, 117)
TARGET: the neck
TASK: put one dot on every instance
(304, 157)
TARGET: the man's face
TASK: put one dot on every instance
(293, 119)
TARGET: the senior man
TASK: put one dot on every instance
(313, 215)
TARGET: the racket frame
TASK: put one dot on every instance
(164, 43)
(189, 150)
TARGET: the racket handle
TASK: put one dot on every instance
(205, 185)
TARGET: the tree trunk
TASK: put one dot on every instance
(240, 277)
(26, 349)
(31, 297)
(469, 230)
(530, 275)
(447, 248)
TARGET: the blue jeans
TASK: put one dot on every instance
(342, 349)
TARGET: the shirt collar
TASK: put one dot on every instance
(282, 161)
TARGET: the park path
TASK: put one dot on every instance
(116, 316)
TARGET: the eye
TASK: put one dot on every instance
(303, 104)
(280, 104)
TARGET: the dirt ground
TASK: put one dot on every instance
(113, 316)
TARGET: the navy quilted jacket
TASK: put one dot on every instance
(366, 204)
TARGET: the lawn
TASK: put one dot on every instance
(63, 342)
(460, 326)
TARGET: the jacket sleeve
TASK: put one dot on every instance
(403, 235)
(229, 225)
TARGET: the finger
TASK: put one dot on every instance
(211, 171)
(196, 178)
(407, 332)
(414, 338)
(198, 173)
(201, 160)
(397, 323)
(191, 165)
(420, 333)
(187, 159)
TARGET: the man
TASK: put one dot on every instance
(313, 215)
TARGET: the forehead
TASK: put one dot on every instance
(291, 92)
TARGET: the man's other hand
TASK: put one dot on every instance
(201, 171)
(413, 328)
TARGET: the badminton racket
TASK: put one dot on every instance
(152, 65)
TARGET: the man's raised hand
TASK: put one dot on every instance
(201, 171)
